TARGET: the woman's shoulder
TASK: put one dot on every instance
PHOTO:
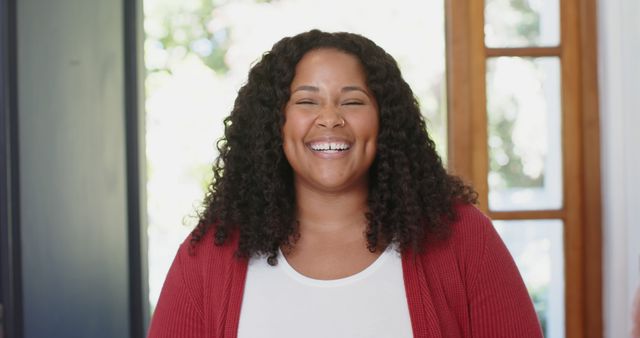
(202, 242)
(470, 226)
(472, 246)
(471, 233)
(205, 258)
(197, 283)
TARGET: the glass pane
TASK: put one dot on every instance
(198, 53)
(524, 136)
(537, 247)
(522, 23)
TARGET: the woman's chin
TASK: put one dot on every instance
(336, 184)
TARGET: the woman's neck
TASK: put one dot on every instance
(332, 242)
(323, 213)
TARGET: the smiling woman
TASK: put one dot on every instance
(198, 55)
(331, 215)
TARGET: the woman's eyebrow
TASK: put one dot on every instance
(344, 89)
(307, 88)
(352, 88)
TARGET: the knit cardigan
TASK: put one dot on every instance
(465, 286)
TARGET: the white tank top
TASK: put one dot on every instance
(279, 302)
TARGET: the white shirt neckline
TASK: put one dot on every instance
(300, 278)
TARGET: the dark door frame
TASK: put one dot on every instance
(136, 182)
(10, 261)
(11, 312)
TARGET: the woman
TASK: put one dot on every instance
(331, 215)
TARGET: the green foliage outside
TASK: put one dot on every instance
(189, 28)
(540, 303)
(505, 159)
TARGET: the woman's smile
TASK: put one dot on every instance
(329, 147)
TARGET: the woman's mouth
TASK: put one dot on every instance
(329, 147)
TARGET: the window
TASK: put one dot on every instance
(523, 130)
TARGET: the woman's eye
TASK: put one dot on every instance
(353, 103)
(305, 102)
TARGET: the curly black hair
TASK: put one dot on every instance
(411, 197)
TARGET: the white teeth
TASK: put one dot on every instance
(329, 146)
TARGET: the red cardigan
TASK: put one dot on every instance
(465, 286)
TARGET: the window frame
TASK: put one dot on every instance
(468, 150)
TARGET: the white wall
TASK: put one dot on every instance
(619, 71)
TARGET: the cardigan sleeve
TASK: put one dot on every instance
(500, 305)
(178, 312)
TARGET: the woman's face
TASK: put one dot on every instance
(331, 122)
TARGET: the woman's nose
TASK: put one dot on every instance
(330, 118)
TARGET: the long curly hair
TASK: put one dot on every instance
(411, 197)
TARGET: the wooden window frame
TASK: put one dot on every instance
(468, 151)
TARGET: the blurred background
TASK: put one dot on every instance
(111, 111)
